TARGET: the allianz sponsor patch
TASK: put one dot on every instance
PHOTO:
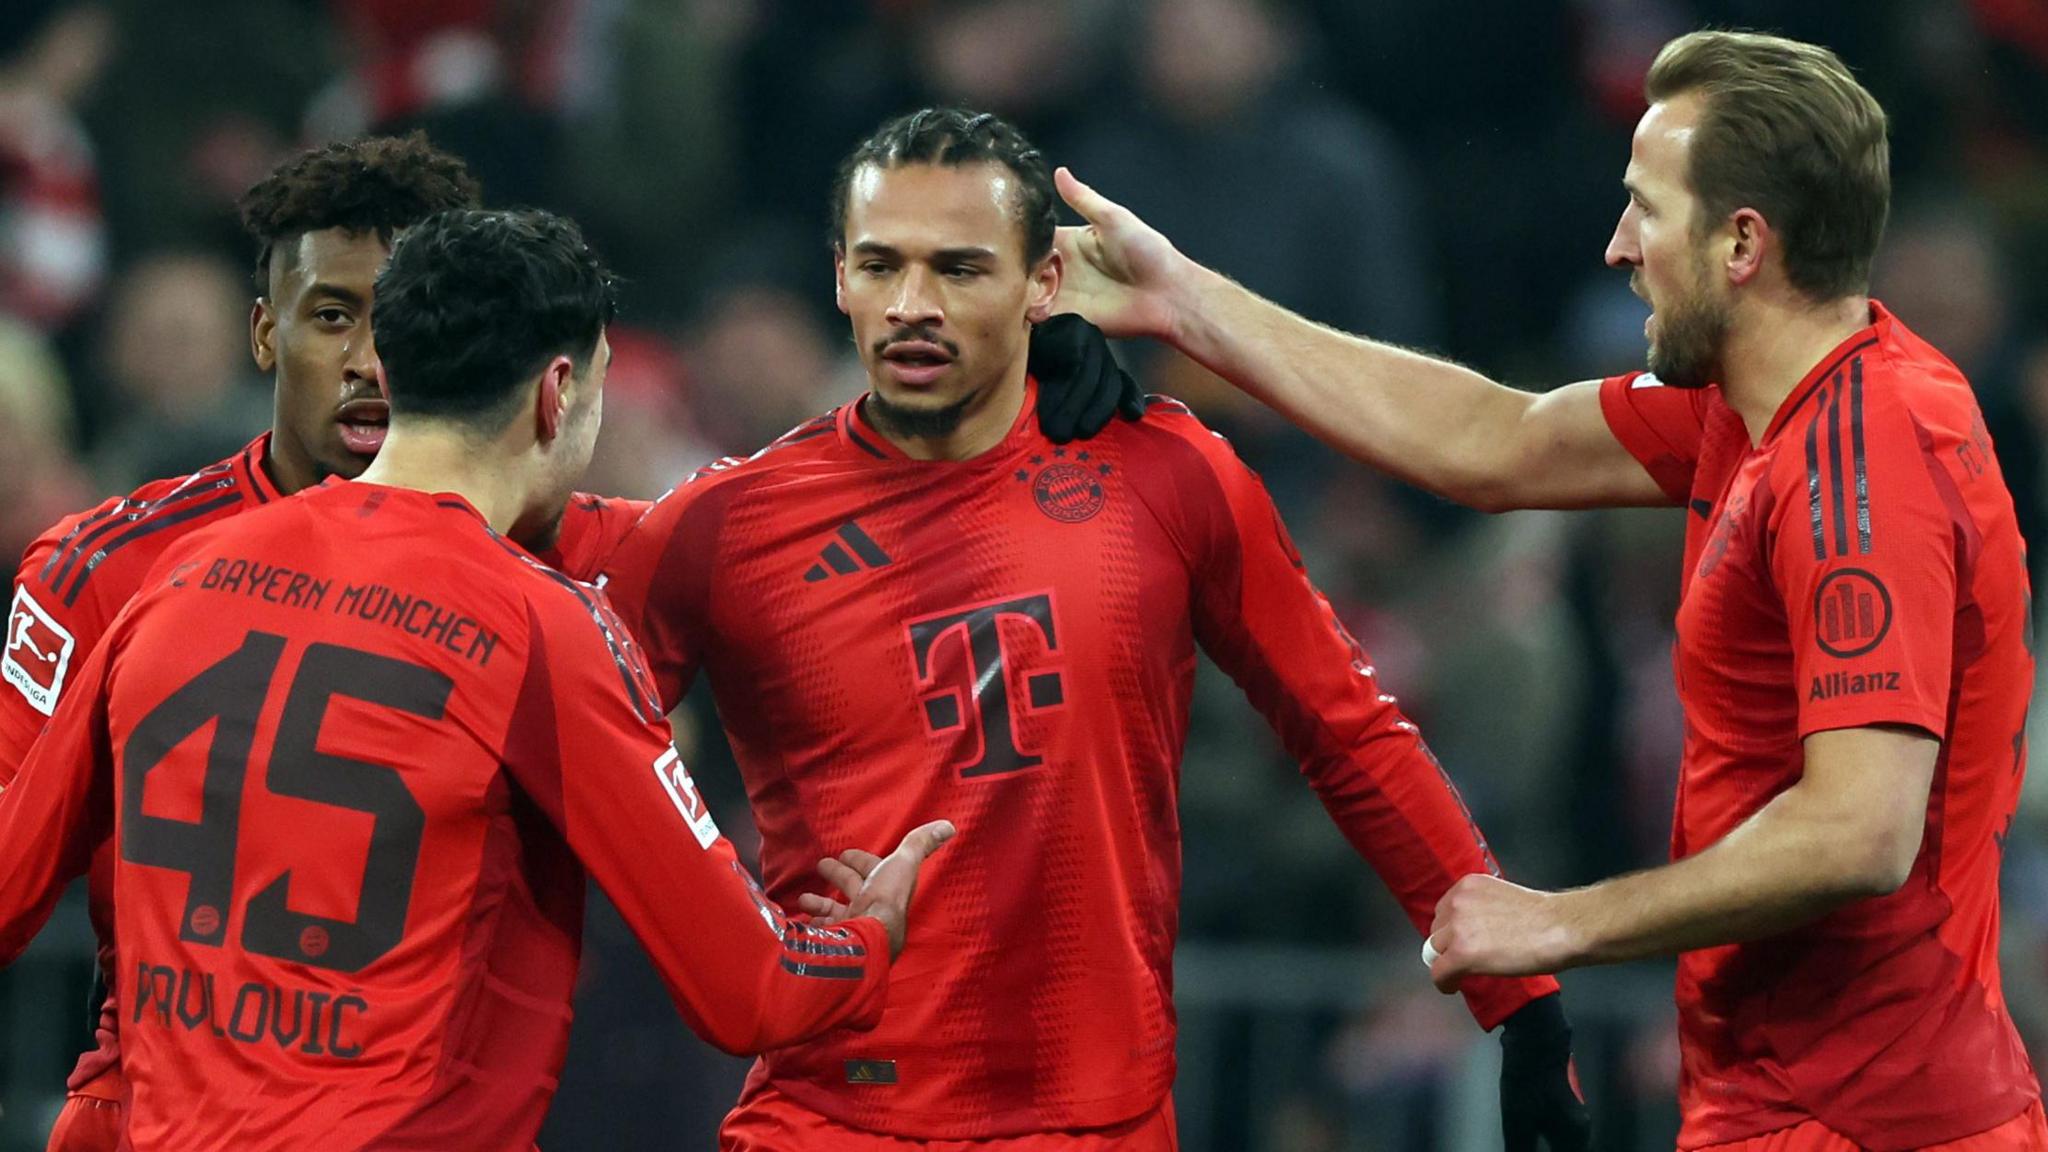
(38, 653)
(1834, 684)
(682, 791)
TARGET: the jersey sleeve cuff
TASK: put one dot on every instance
(874, 991)
(1933, 721)
(1493, 999)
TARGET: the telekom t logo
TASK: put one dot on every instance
(979, 699)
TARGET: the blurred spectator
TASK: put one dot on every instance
(814, 78)
(1226, 149)
(1028, 60)
(649, 97)
(649, 441)
(762, 365)
(196, 107)
(176, 353)
(52, 235)
(484, 78)
(1258, 175)
(41, 482)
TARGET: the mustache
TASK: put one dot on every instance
(917, 334)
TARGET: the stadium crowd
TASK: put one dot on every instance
(1440, 176)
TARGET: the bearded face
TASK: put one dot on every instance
(1688, 332)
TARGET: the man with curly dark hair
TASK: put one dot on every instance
(324, 221)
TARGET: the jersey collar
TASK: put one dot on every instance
(1878, 331)
(859, 434)
(254, 464)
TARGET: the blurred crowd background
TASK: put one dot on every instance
(1440, 175)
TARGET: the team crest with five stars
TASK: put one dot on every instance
(1069, 491)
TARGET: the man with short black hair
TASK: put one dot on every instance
(355, 750)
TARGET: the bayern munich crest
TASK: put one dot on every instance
(1068, 491)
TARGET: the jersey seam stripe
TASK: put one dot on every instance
(824, 971)
(862, 444)
(136, 515)
(1856, 454)
(146, 527)
(1820, 547)
(814, 948)
(1827, 367)
(611, 643)
(1834, 408)
(249, 470)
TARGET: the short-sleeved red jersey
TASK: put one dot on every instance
(354, 752)
(1009, 642)
(1860, 566)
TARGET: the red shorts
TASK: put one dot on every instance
(767, 1121)
(2026, 1132)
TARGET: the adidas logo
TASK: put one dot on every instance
(836, 560)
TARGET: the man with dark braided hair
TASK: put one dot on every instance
(920, 604)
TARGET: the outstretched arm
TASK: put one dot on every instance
(1424, 420)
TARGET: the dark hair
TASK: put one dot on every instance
(955, 138)
(1786, 130)
(473, 303)
(383, 184)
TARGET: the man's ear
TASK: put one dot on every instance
(263, 335)
(1754, 238)
(839, 278)
(1045, 287)
(551, 401)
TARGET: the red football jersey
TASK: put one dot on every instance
(78, 575)
(356, 751)
(1009, 643)
(73, 580)
(1861, 566)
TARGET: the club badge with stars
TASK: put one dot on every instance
(1069, 491)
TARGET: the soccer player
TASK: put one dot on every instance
(1851, 630)
(917, 603)
(354, 749)
(323, 223)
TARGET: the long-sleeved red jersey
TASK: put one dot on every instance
(1010, 642)
(357, 752)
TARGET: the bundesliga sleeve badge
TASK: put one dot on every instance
(38, 653)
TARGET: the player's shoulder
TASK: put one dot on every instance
(816, 439)
(1165, 419)
(1908, 379)
(106, 549)
(1172, 439)
(1879, 401)
(574, 622)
